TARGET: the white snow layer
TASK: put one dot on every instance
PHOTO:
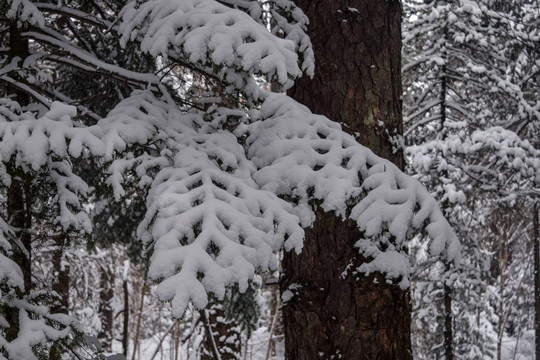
(208, 33)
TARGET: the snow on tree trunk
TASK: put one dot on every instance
(106, 295)
(60, 286)
(226, 335)
(357, 82)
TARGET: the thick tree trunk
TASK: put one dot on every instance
(333, 315)
(357, 78)
(357, 82)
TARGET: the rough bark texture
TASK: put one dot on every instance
(357, 82)
(332, 314)
(357, 78)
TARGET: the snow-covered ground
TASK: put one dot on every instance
(519, 349)
(256, 348)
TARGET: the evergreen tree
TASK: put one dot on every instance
(464, 104)
(225, 187)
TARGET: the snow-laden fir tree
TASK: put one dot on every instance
(471, 124)
(225, 187)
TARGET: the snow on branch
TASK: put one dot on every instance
(208, 224)
(35, 329)
(214, 36)
(301, 156)
(31, 141)
(46, 146)
(489, 152)
(25, 10)
(221, 203)
(288, 21)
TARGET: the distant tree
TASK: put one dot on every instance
(471, 134)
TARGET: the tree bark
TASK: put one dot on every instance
(105, 310)
(448, 316)
(357, 82)
(225, 335)
(61, 287)
(447, 289)
(125, 332)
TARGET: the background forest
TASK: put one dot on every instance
(90, 193)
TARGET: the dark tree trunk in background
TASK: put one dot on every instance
(105, 310)
(61, 287)
(125, 332)
(226, 335)
(357, 82)
(445, 206)
(448, 331)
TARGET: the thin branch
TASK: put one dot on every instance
(208, 327)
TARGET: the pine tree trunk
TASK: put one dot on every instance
(503, 263)
(61, 287)
(357, 78)
(358, 83)
(447, 289)
(227, 337)
(105, 309)
(125, 332)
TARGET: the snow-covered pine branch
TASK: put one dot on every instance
(208, 224)
(498, 159)
(44, 147)
(304, 157)
(215, 38)
(213, 215)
